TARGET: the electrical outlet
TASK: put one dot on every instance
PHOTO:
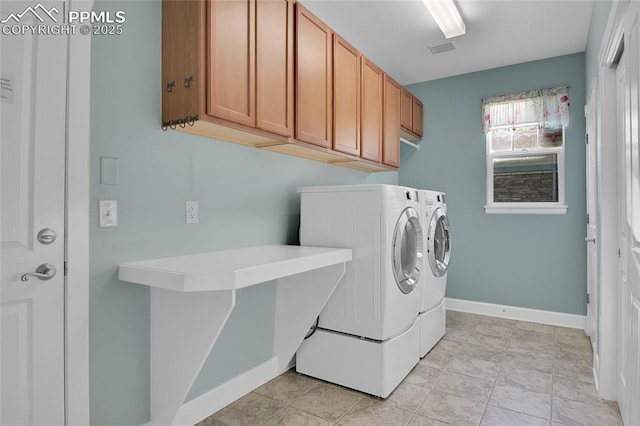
(191, 210)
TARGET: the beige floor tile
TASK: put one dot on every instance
(328, 402)
(464, 386)
(524, 344)
(482, 352)
(287, 387)
(576, 390)
(494, 330)
(290, 416)
(572, 353)
(458, 334)
(251, 409)
(451, 409)
(522, 401)
(419, 420)
(408, 396)
(532, 326)
(496, 416)
(575, 370)
(422, 375)
(494, 342)
(449, 345)
(474, 367)
(462, 320)
(579, 413)
(569, 332)
(502, 322)
(532, 380)
(372, 412)
(436, 358)
(529, 361)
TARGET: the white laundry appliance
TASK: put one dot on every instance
(367, 336)
(437, 252)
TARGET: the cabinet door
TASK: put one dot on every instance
(417, 119)
(391, 122)
(406, 118)
(231, 53)
(274, 66)
(346, 97)
(371, 111)
(313, 79)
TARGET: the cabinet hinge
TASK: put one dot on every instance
(618, 253)
(64, 266)
(588, 299)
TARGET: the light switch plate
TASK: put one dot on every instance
(108, 213)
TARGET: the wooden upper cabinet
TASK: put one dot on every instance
(371, 111)
(417, 117)
(411, 117)
(231, 61)
(346, 97)
(391, 122)
(406, 120)
(314, 71)
(274, 66)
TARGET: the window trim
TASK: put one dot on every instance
(556, 207)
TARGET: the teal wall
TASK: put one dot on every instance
(247, 197)
(531, 261)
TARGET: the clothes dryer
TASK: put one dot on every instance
(437, 250)
(367, 336)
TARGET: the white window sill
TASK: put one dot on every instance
(515, 209)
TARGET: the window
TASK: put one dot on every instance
(525, 151)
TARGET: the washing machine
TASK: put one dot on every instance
(433, 280)
(367, 336)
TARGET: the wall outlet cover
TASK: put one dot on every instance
(191, 210)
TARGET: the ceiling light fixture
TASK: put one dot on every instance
(446, 16)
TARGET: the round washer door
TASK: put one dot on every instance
(407, 250)
(439, 244)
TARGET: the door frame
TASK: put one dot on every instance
(77, 214)
(607, 180)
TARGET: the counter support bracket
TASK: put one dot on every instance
(184, 328)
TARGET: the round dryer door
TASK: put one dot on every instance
(439, 244)
(407, 250)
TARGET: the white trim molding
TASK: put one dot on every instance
(529, 209)
(560, 319)
(77, 225)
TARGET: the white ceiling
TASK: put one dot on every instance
(396, 34)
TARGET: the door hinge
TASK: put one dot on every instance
(587, 218)
(618, 253)
(588, 298)
(65, 268)
(586, 138)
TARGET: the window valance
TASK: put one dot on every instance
(547, 107)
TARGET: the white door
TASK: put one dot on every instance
(630, 288)
(33, 119)
(623, 102)
(592, 230)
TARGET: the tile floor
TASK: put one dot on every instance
(485, 371)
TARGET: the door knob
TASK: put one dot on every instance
(590, 240)
(44, 272)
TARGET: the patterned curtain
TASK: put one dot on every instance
(547, 107)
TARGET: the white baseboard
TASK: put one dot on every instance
(216, 399)
(522, 314)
